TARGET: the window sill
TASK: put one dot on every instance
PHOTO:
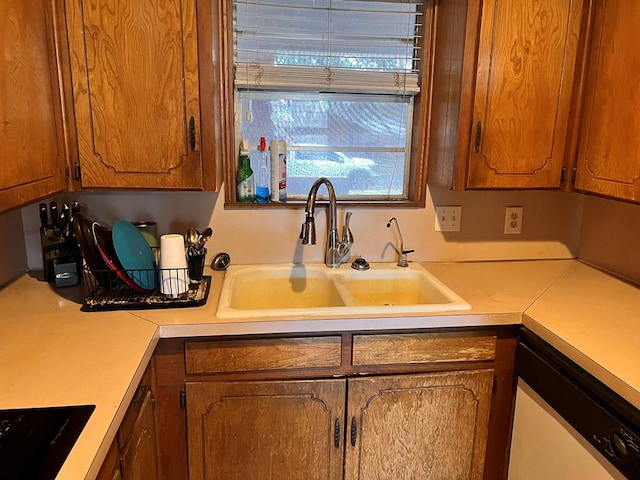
(300, 204)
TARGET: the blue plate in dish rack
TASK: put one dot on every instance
(134, 253)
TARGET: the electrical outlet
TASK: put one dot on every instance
(513, 220)
(448, 219)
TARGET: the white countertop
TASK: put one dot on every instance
(51, 353)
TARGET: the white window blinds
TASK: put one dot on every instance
(342, 46)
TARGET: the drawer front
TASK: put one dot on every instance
(134, 407)
(262, 354)
(422, 348)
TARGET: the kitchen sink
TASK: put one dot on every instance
(314, 290)
(280, 287)
(394, 287)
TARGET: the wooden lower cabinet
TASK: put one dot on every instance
(139, 451)
(398, 406)
(266, 430)
(413, 427)
(430, 426)
(111, 469)
(133, 455)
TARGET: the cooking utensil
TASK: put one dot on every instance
(53, 212)
(193, 240)
(65, 214)
(193, 236)
(75, 208)
(44, 222)
(204, 237)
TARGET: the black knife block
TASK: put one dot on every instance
(61, 260)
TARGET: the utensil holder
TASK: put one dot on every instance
(195, 264)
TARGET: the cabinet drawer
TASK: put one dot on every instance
(422, 348)
(262, 354)
(134, 407)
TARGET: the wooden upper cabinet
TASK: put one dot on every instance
(502, 92)
(526, 60)
(32, 148)
(134, 68)
(608, 160)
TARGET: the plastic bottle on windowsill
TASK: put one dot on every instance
(263, 179)
(245, 179)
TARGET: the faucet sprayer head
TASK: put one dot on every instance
(308, 232)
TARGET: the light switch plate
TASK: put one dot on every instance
(448, 218)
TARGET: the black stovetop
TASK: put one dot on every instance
(35, 442)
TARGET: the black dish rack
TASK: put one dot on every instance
(121, 290)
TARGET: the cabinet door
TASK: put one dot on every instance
(32, 148)
(135, 87)
(266, 430)
(418, 427)
(111, 467)
(608, 160)
(139, 461)
(526, 62)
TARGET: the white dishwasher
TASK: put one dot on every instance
(567, 424)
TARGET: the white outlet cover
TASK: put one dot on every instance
(448, 218)
(513, 220)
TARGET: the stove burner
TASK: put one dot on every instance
(35, 442)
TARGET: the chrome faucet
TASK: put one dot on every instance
(402, 253)
(336, 250)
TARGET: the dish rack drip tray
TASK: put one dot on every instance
(113, 290)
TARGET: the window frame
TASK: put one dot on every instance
(226, 102)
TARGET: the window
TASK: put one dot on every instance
(339, 81)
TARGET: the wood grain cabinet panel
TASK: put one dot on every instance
(110, 469)
(502, 91)
(266, 430)
(32, 148)
(419, 405)
(262, 354)
(136, 93)
(526, 61)
(139, 454)
(381, 349)
(404, 427)
(418, 427)
(608, 160)
(133, 454)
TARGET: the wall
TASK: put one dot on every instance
(551, 226)
(610, 236)
(13, 257)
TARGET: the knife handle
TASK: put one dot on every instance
(42, 210)
(43, 215)
(53, 210)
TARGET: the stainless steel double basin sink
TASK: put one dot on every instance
(269, 290)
